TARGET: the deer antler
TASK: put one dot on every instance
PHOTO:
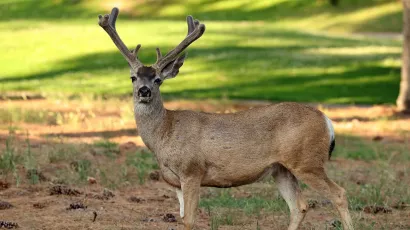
(195, 31)
(107, 22)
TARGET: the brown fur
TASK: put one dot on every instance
(290, 141)
(226, 150)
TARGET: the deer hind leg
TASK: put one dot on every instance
(289, 189)
(190, 193)
(318, 180)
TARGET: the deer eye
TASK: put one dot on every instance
(158, 81)
(133, 78)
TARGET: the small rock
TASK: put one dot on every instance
(8, 225)
(155, 175)
(377, 138)
(76, 205)
(313, 203)
(376, 209)
(64, 190)
(128, 147)
(135, 199)
(5, 205)
(107, 193)
(169, 218)
(39, 205)
(4, 185)
(91, 180)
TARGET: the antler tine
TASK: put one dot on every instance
(135, 51)
(191, 24)
(159, 55)
(107, 22)
(195, 31)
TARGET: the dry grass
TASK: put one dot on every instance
(98, 139)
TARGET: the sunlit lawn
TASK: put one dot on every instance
(237, 58)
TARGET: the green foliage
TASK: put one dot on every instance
(143, 162)
(221, 219)
(62, 153)
(251, 206)
(8, 159)
(83, 168)
(379, 193)
(106, 147)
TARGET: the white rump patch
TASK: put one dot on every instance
(330, 128)
(180, 196)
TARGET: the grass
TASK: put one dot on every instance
(370, 172)
(275, 50)
(8, 161)
(367, 150)
(143, 162)
(106, 147)
(13, 114)
(251, 206)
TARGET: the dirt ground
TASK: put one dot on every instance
(153, 204)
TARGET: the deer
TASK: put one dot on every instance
(289, 141)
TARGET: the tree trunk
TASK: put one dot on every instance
(403, 101)
(334, 2)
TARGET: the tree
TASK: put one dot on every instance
(403, 101)
(334, 2)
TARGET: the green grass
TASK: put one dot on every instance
(356, 148)
(143, 162)
(106, 147)
(9, 160)
(278, 50)
(251, 206)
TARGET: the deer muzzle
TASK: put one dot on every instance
(144, 91)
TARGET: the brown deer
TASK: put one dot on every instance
(289, 141)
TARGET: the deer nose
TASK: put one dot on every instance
(144, 92)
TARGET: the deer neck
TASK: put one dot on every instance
(150, 119)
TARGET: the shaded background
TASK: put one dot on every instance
(307, 51)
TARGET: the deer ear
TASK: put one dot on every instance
(172, 69)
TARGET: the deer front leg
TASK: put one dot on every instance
(190, 193)
(181, 202)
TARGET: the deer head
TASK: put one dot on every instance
(147, 79)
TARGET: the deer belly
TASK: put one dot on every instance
(224, 178)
